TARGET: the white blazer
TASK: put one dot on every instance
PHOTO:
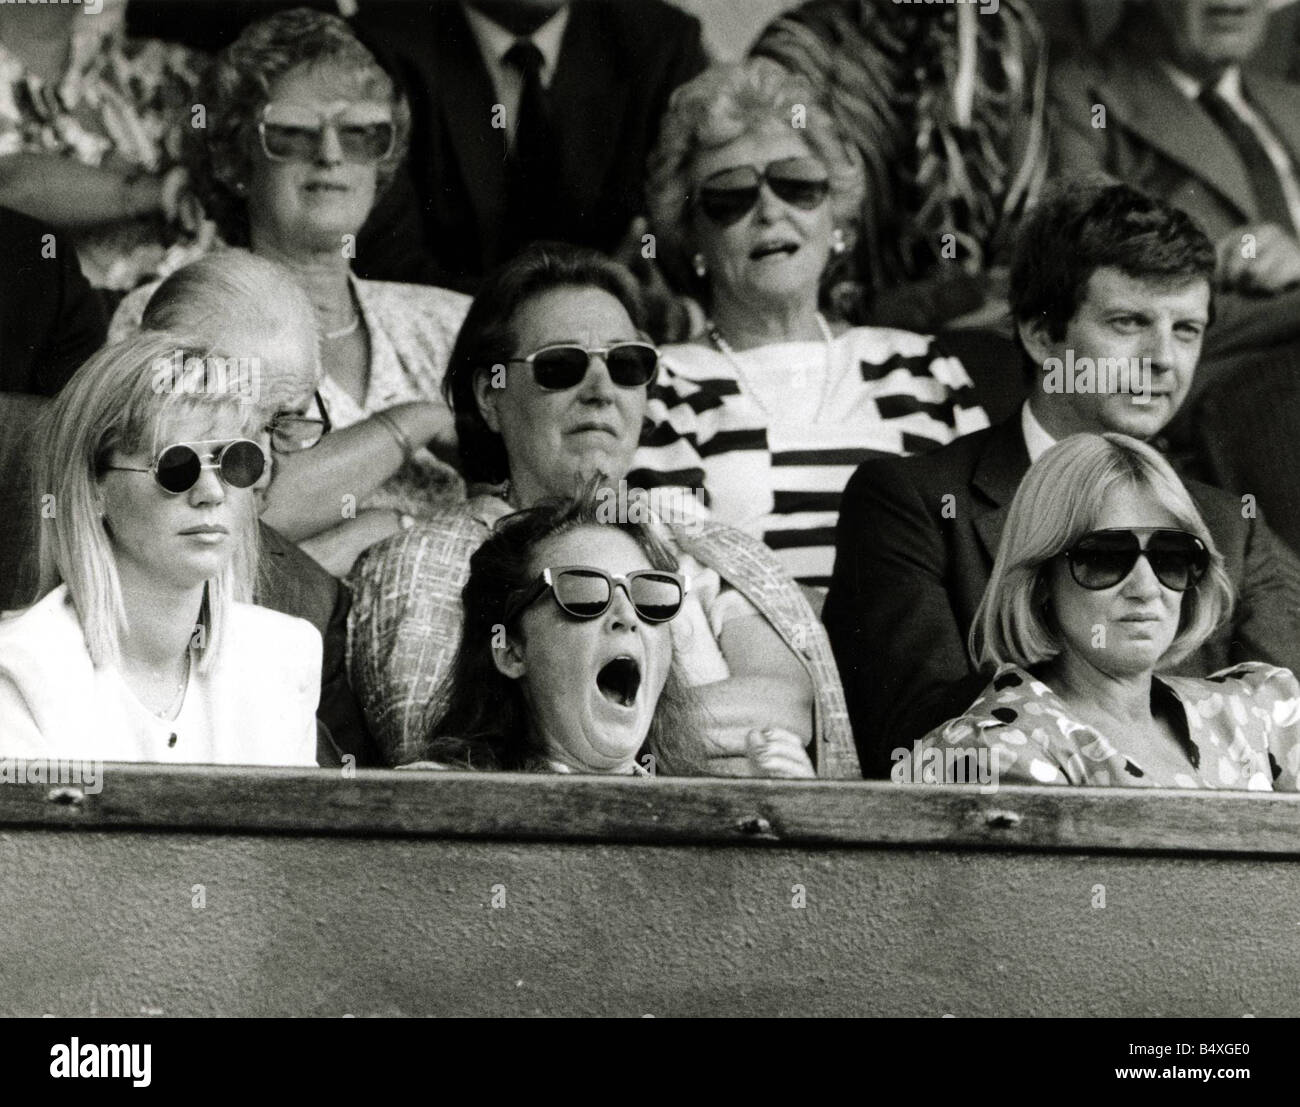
(255, 706)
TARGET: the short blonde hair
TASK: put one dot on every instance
(727, 102)
(114, 403)
(1057, 503)
(234, 295)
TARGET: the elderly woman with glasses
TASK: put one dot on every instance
(549, 383)
(303, 131)
(1105, 576)
(774, 403)
(143, 646)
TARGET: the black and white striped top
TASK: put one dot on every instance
(774, 445)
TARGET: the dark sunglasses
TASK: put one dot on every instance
(585, 592)
(292, 433)
(727, 196)
(177, 469)
(555, 368)
(1103, 558)
(295, 134)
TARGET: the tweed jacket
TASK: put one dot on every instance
(405, 625)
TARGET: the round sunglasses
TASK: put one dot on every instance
(295, 134)
(240, 464)
(555, 368)
(585, 592)
(1103, 558)
(727, 196)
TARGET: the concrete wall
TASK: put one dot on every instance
(96, 922)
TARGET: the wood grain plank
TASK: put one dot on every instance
(664, 810)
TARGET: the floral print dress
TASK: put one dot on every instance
(1243, 731)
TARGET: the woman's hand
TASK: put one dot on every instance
(776, 752)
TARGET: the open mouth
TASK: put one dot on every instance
(770, 249)
(619, 681)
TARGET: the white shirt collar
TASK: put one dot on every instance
(494, 40)
(1037, 440)
(1228, 86)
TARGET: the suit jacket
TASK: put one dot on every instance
(1157, 140)
(51, 320)
(445, 222)
(908, 579)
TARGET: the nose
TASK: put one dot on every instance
(1142, 582)
(770, 205)
(329, 151)
(622, 615)
(208, 489)
(597, 387)
(1162, 348)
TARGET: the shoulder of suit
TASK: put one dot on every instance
(271, 631)
(950, 465)
(48, 633)
(652, 22)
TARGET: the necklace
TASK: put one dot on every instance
(343, 332)
(725, 349)
(178, 696)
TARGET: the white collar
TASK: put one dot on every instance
(1037, 440)
(1228, 86)
(495, 41)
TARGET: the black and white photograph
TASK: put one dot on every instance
(650, 509)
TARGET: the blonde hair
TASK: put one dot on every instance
(119, 401)
(234, 295)
(1057, 503)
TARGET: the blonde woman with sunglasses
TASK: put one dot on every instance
(143, 647)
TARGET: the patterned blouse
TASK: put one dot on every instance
(1243, 731)
(412, 330)
(773, 442)
(120, 101)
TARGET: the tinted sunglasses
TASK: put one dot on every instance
(727, 196)
(555, 368)
(1103, 558)
(240, 464)
(292, 433)
(585, 592)
(293, 133)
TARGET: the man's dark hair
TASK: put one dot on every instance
(486, 337)
(1077, 229)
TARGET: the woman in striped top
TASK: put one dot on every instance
(772, 406)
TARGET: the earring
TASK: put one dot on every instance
(701, 269)
(240, 187)
(838, 245)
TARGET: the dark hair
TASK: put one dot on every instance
(487, 337)
(238, 85)
(485, 723)
(1077, 229)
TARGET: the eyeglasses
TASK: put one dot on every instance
(177, 469)
(292, 433)
(585, 592)
(291, 132)
(727, 196)
(1103, 558)
(555, 368)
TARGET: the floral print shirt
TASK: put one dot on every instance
(1243, 731)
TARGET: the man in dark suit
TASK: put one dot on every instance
(1100, 272)
(562, 98)
(51, 320)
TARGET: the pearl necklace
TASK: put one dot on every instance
(725, 349)
(179, 695)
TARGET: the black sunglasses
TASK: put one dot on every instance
(240, 464)
(555, 368)
(727, 196)
(1103, 558)
(292, 433)
(585, 592)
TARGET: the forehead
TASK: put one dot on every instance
(194, 422)
(571, 314)
(1111, 289)
(330, 84)
(605, 547)
(1127, 504)
(756, 147)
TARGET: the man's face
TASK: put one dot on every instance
(1204, 36)
(1155, 327)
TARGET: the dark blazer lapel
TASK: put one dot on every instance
(590, 93)
(1001, 466)
(466, 96)
(1154, 108)
(1279, 102)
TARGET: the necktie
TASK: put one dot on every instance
(531, 164)
(1270, 199)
